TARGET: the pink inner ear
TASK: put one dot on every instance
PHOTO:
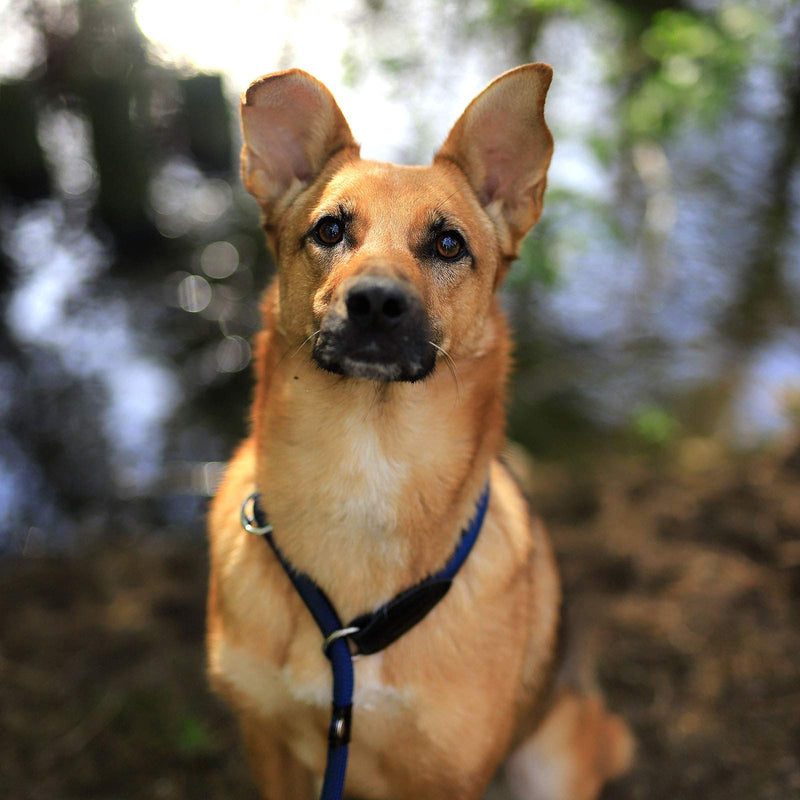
(288, 144)
(292, 126)
(272, 134)
(500, 170)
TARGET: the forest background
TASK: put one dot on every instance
(656, 310)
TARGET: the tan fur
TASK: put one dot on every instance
(368, 484)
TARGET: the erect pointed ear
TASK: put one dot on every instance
(503, 146)
(291, 127)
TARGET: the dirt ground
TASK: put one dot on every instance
(687, 576)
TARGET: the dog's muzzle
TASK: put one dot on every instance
(384, 333)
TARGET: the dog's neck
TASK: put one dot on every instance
(368, 485)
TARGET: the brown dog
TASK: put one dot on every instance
(378, 417)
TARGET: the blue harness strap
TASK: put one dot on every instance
(369, 633)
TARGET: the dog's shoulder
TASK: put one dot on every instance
(247, 588)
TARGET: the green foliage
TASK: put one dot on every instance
(552, 6)
(351, 68)
(194, 737)
(506, 9)
(397, 65)
(556, 425)
(570, 224)
(535, 263)
(604, 148)
(694, 62)
(654, 425)
(675, 65)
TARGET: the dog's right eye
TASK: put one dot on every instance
(329, 231)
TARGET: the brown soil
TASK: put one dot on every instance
(687, 579)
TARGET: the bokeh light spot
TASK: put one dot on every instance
(233, 354)
(194, 293)
(219, 260)
(210, 200)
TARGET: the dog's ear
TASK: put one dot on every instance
(503, 146)
(291, 127)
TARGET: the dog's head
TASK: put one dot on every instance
(382, 266)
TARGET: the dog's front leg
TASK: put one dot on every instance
(276, 772)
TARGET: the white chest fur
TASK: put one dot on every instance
(370, 479)
(298, 695)
(276, 689)
(343, 508)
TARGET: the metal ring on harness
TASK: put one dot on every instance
(338, 634)
(249, 521)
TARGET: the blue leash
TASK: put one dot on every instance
(368, 633)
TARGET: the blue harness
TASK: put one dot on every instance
(368, 633)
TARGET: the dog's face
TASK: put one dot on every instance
(404, 264)
(385, 267)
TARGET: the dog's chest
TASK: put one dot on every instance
(304, 679)
(372, 479)
(337, 499)
(296, 696)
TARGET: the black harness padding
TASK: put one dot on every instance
(382, 627)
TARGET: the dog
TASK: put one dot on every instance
(377, 421)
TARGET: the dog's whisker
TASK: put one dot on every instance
(286, 353)
(305, 342)
(451, 365)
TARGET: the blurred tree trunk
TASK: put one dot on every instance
(121, 161)
(23, 173)
(207, 122)
(763, 300)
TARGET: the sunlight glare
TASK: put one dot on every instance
(246, 38)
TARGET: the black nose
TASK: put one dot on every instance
(377, 302)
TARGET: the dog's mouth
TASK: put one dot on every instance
(383, 334)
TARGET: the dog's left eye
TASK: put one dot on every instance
(329, 231)
(449, 245)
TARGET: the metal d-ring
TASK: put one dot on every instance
(338, 634)
(249, 521)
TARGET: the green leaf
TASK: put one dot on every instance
(194, 738)
(654, 425)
